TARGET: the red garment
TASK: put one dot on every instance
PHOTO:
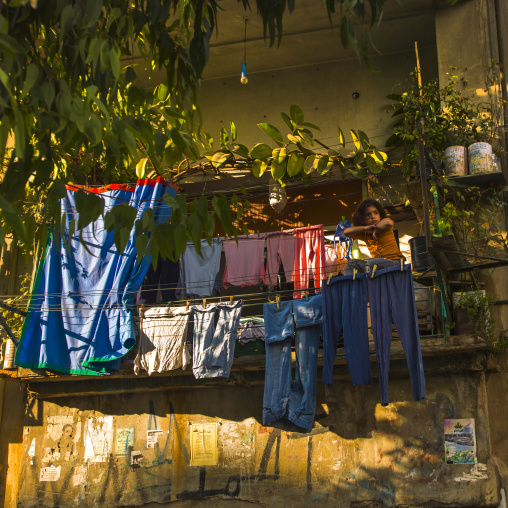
(309, 257)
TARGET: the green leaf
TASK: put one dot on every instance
(324, 164)
(310, 164)
(364, 140)
(31, 75)
(311, 125)
(140, 167)
(291, 125)
(219, 158)
(342, 139)
(295, 164)
(279, 155)
(241, 150)
(356, 140)
(294, 139)
(141, 244)
(272, 131)
(259, 167)
(373, 165)
(233, 132)
(260, 151)
(278, 169)
(296, 114)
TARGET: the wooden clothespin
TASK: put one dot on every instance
(277, 300)
(308, 224)
(204, 303)
(231, 300)
(374, 268)
(354, 273)
(401, 264)
(142, 310)
(187, 305)
(329, 279)
(282, 228)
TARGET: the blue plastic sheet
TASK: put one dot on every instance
(80, 315)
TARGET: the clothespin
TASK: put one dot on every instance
(280, 282)
(187, 305)
(281, 228)
(308, 225)
(329, 279)
(354, 273)
(307, 295)
(204, 303)
(401, 265)
(142, 310)
(373, 271)
(277, 300)
(231, 300)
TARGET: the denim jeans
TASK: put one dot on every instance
(283, 397)
(392, 296)
(214, 346)
(365, 265)
(345, 312)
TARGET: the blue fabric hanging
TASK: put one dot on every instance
(80, 315)
(345, 242)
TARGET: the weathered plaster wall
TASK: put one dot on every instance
(360, 453)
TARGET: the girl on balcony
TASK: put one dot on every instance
(372, 226)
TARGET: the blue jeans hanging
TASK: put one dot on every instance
(391, 295)
(294, 400)
(345, 312)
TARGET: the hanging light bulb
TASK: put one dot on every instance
(277, 196)
(243, 79)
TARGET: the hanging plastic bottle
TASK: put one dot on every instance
(357, 253)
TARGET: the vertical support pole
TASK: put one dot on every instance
(421, 158)
(425, 203)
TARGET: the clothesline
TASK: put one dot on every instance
(147, 288)
(246, 297)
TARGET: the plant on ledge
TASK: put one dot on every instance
(443, 117)
(479, 307)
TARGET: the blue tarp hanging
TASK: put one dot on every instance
(80, 315)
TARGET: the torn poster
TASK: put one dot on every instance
(152, 437)
(460, 441)
(98, 438)
(50, 474)
(124, 441)
(203, 443)
(136, 458)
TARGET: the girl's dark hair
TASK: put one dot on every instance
(361, 209)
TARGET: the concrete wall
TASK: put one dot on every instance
(323, 91)
(77, 450)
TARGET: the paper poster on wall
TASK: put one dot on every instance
(98, 438)
(50, 474)
(124, 441)
(152, 437)
(203, 444)
(61, 436)
(460, 441)
(136, 458)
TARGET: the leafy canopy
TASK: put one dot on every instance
(71, 107)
